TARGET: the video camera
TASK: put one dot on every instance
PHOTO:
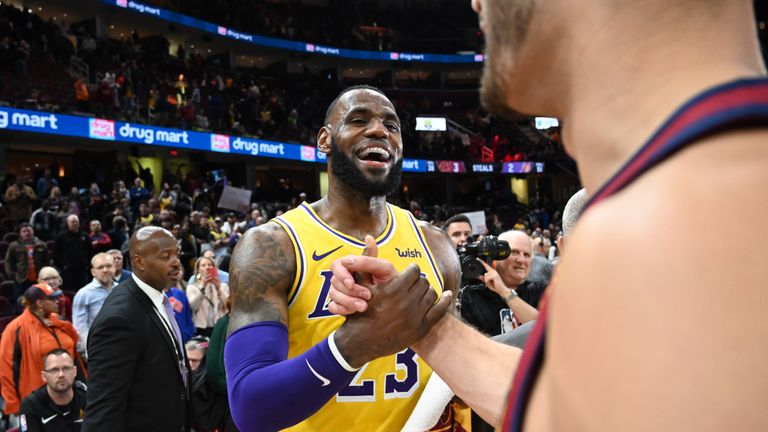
(488, 249)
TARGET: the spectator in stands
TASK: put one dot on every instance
(52, 277)
(119, 192)
(138, 193)
(183, 204)
(199, 228)
(210, 408)
(146, 217)
(72, 251)
(218, 239)
(58, 405)
(90, 298)
(187, 246)
(73, 201)
(56, 200)
(541, 267)
(24, 258)
(232, 234)
(221, 273)
(167, 197)
(26, 339)
(82, 95)
(45, 221)
(231, 225)
(19, 198)
(207, 295)
(95, 202)
(120, 273)
(458, 229)
(119, 232)
(45, 184)
(196, 349)
(100, 241)
(181, 308)
(254, 220)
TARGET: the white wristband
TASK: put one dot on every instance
(337, 354)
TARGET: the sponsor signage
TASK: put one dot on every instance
(227, 32)
(110, 130)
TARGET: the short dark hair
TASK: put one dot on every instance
(56, 351)
(24, 225)
(119, 222)
(335, 102)
(455, 219)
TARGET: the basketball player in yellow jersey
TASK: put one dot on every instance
(291, 364)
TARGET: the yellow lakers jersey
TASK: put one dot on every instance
(384, 392)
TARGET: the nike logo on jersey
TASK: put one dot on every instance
(323, 379)
(317, 257)
(47, 419)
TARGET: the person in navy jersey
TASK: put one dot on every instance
(664, 106)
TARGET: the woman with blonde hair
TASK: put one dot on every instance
(27, 339)
(207, 295)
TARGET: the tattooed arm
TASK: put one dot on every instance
(261, 380)
(261, 273)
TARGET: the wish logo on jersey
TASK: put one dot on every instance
(408, 253)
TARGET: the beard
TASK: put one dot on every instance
(61, 386)
(506, 29)
(344, 169)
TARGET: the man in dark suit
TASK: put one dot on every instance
(139, 374)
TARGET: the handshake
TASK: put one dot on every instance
(386, 311)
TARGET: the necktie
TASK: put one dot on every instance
(177, 333)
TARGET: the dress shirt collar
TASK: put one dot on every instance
(154, 295)
(96, 284)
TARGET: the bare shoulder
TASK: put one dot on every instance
(261, 273)
(673, 311)
(444, 252)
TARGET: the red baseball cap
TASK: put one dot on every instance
(39, 291)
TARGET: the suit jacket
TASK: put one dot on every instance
(134, 379)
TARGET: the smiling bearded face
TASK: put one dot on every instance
(343, 168)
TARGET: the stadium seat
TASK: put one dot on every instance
(10, 237)
(4, 322)
(6, 288)
(5, 306)
(8, 224)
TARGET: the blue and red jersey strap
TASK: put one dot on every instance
(738, 104)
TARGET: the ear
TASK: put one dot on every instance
(324, 140)
(137, 262)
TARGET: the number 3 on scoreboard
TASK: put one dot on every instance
(365, 390)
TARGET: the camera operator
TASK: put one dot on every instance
(500, 299)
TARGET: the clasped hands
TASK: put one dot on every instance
(386, 311)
